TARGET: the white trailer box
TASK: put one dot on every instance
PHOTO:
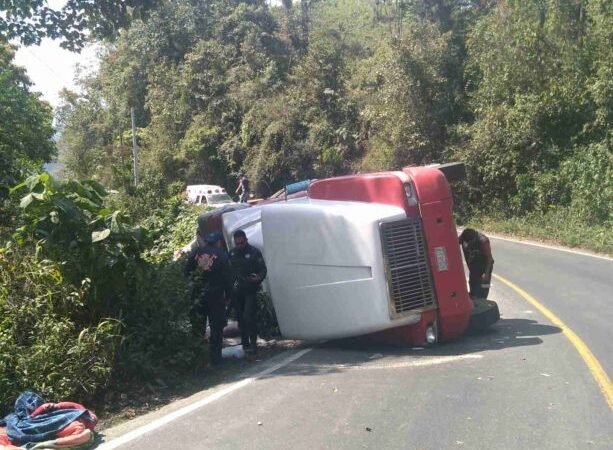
(326, 273)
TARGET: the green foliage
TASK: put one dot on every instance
(72, 225)
(31, 21)
(172, 227)
(84, 138)
(132, 308)
(268, 327)
(519, 91)
(536, 92)
(589, 173)
(25, 124)
(145, 199)
(565, 226)
(161, 342)
(403, 88)
(43, 346)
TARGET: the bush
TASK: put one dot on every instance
(147, 198)
(268, 327)
(132, 311)
(42, 345)
(71, 224)
(590, 174)
(565, 226)
(160, 343)
(170, 228)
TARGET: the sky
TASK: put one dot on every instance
(52, 68)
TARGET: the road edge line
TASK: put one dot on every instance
(596, 369)
(138, 432)
(559, 248)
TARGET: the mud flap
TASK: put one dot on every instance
(484, 314)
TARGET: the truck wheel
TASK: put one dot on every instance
(484, 315)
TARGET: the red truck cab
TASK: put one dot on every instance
(425, 196)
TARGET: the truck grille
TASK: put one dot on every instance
(409, 280)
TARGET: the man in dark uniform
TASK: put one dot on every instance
(209, 268)
(249, 271)
(478, 256)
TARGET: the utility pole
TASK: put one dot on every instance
(134, 148)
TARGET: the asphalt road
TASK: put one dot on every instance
(577, 288)
(522, 385)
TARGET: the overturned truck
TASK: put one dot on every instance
(369, 254)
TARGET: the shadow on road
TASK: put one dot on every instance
(342, 354)
(505, 333)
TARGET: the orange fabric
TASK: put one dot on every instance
(4, 439)
(72, 428)
(48, 407)
(76, 433)
(74, 439)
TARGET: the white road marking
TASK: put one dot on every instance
(130, 436)
(550, 247)
(421, 362)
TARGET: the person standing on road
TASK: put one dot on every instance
(249, 271)
(243, 187)
(478, 256)
(209, 268)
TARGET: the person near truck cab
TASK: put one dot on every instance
(243, 187)
(478, 255)
(249, 271)
(209, 268)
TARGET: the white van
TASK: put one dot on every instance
(208, 194)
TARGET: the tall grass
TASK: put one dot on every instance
(562, 226)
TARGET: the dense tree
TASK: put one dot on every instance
(520, 91)
(25, 123)
(406, 103)
(537, 100)
(31, 21)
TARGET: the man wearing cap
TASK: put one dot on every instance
(249, 271)
(209, 268)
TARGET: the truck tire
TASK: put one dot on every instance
(484, 315)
